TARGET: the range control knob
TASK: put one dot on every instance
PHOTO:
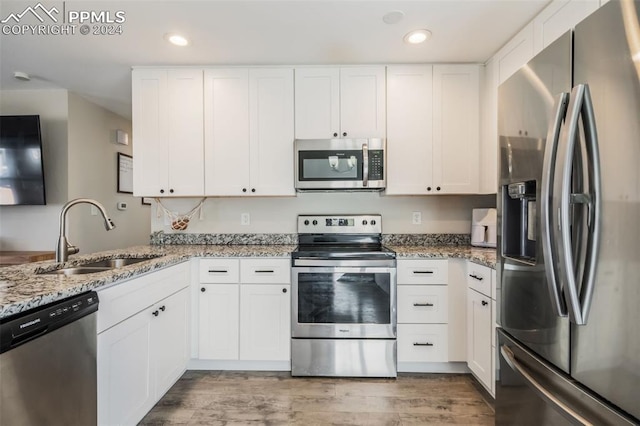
(364, 222)
(315, 222)
(373, 222)
(306, 222)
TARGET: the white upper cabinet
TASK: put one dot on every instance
(433, 129)
(456, 128)
(557, 18)
(340, 102)
(167, 132)
(517, 52)
(249, 131)
(409, 129)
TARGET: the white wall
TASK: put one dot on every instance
(36, 227)
(80, 161)
(440, 214)
(92, 174)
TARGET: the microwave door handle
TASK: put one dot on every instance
(365, 165)
(549, 251)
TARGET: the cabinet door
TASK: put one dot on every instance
(559, 17)
(456, 128)
(226, 131)
(317, 103)
(150, 129)
(479, 330)
(515, 53)
(185, 134)
(362, 102)
(409, 129)
(219, 312)
(124, 360)
(265, 331)
(170, 331)
(271, 131)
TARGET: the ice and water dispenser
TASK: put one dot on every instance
(519, 221)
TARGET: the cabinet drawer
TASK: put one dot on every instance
(432, 271)
(479, 278)
(422, 343)
(226, 271)
(422, 304)
(124, 300)
(265, 271)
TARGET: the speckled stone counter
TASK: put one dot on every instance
(22, 288)
(483, 256)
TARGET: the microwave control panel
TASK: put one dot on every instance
(376, 165)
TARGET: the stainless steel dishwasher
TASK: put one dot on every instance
(48, 364)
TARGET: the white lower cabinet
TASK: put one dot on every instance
(422, 343)
(481, 323)
(246, 318)
(140, 357)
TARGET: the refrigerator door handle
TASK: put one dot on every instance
(546, 193)
(545, 394)
(580, 105)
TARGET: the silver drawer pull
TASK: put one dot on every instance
(423, 304)
(422, 344)
(476, 277)
(264, 271)
(218, 271)
(423, 272)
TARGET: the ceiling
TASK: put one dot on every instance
(242, 32)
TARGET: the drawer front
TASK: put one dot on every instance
(124, 300)
(479, 278)
(422, 343)
(422, 304)
(225, 271)
(265, 271)
(423, 271)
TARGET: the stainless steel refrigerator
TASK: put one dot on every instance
(569, 228)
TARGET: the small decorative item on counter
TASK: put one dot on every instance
(180, 221)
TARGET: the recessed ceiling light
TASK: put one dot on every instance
(177, 39)
(393, 17)
(417, 36)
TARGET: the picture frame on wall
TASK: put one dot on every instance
(146, 201)
(125, 173)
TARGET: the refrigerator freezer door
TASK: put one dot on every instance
(526, 108)
(605, 351)
(531, 392)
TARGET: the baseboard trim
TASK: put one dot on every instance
(208, 364)
(433, 367)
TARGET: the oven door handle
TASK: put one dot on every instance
(365, 165)
(348, 265)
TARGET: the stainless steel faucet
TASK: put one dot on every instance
(64, 248)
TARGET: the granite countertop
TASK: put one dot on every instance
(22, 288)
(483, 256)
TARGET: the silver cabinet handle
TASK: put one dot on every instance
(423, 304)
(549, 252)
(580, 105)
(365, 165)
(422, 344)
(511, 360)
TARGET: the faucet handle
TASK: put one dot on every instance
(72, 249)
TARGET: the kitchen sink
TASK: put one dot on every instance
(117, 262)
(99, 266)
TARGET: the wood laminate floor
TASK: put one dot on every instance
(276, 398)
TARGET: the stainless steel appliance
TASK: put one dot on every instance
(340, 164)
(568, 243)
(48, 364)
(343, 319)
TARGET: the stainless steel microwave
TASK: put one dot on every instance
(340, 164)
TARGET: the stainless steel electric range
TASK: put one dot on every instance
(343, 299)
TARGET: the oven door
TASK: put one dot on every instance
(344, 302)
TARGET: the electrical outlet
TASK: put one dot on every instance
(94, 210)
(245, 219)
(416, 218)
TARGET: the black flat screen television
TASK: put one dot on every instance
(21, 165)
